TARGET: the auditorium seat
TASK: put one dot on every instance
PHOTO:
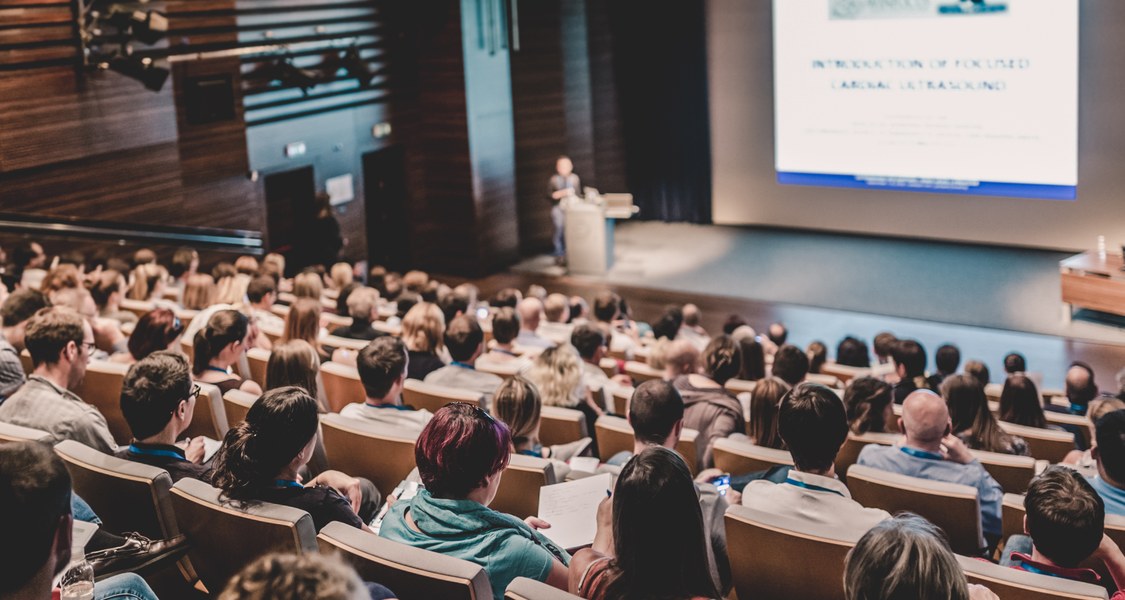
(411, 572)
(432, 397)
(186, 316)
(101, 387)
(519, 486)
(16, 433)
(25, 361)
(735, 456)
(608, 366)
(824, 379)
(1007, 582)
(953, 507)
(1050, 445)
(188, 348)
(137, 307)
(331, 321)
(1078, 423)
(1012, 514)
(849, 452)
(236, 403)
(343, 342)
(258, 359)
(843, 372)
(774, 557)
(641, 372)
(126, 495)
(383, 454)
(210, 418)
(522, 588)
(341, 385)
(737, 386)
(225, 537)
(559, 425)
(614, 434)
(619, 395)
(500, 369)
(1013, 473)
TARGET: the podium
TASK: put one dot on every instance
(589, 231)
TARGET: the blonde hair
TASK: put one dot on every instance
(516, 403)
(199, 291)
(416, 281)
(296, 577)
(232, 290)
(556, 308)
(362, 303)
(341, 275)
(146, 278)
(308, 285)
(303, 322)
(247, 265)
(423, 327)
(273, 263)
(557, 372)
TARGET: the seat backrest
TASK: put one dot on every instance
(615, 434)
(432, 397)
(522, 588)
(258, 360)
(225, 537)
(825, 379)
(1007, 582)
(1050, 445)
(383, 454)
(619, 395)
(1013, 473)
(608, 366)
(210, 418)
(126, 495)
(1072, 423)
(236, 403)
(411, 572)
(641, 372)
(737, 386)
(856, 442)
(559, 425)
(953, 507)
(499, 369)
(188, 348)
(519, 486)
(1011, 515)
(16, 433)
(101, 387)
(26, 363)
(843, 372)
(734, 456)
(341, 385)
(343, 342)
(137, 307)
(770, 556)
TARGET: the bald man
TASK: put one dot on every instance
(1080, 390)
(531, 313)
(931, 451)
(681, 357)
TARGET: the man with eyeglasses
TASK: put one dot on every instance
(158, 400)
(60, 342)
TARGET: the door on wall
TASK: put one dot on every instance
(289, 202)
(384, 177)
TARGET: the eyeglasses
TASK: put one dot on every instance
(194, 393)
(89, 346)
(177, 326)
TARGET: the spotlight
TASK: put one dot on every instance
(358, 67)
(141, 69)
(148, 26)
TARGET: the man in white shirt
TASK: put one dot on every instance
(531, 311)
(382, 370)
(465, 342)
(814, 424)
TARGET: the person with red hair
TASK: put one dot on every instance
(461, 454)
(158, 329)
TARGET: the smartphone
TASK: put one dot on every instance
(482, 313)
(722, 482)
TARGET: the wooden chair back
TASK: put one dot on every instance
(737, 386)
(383, 454)
(258, 360)
(26, 363)
(559, 425)
(341, 385)
(615, 434)
(210, 417)
(1013, 473)
(1050, 445)
(1007, 582)
(522, 588)
(641, 372)
(504, 370)
(101, 387)
(856, 442)
(432, 397)
(843, 372)
(735, 456)
(16, 433)
(519, 485)
(236, 403)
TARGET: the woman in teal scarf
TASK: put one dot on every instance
(461, 454)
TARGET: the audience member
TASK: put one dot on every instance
(813, 423)
(185, 263)
(530, 311)
(107, 289)
(680, 357)
(363, 307)
(591, 345)
(15, 312)
(158, 329)
(303, 323)
(607, 311)
(818, 355)
(907, 557)
(777, 334)
(107, 333)
(852, 352)
(261, 294)
(638, 551)
(507, 297)
(883, 345)
(763, 413)
(1080, 389)
(465, 341)
(343, 294)
(790, 364)
(709, 408)
(947, 358)
(753, 359)
(579, 310)
(869, 406)
(199, 292)
(461, 454)
(217, 346)
(423, 329)
(261, 458)
(505, 328)
(455, 303)
(973, 422)
(1020, 402)
(149, 281)
(294, 362)
(554, 327)
(931, 451)
(669, 323)
(36, 517)
(60, 343)
(308, 285)
(518, 405)
(307, 576)
(1014, 362)
(732, 323)
(557, 373)
(382, 366)
(979, 371)
(158, 402)
(910, 365)
(1065, 527)
(28, 260)
(339, 276)
(1109, 456)
(60, 277)
(692, 328)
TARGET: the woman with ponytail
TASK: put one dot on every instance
(261, 460)
(217, 346)
(868, 401)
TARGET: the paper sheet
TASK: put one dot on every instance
(572, 509)
(210, 447)
(586, 464)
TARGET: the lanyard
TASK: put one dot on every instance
(463, 365)
(155, 452)
(1032, 569)
(809, 486)
(394, 406)
(287, 483)
(218, 370)
(916, 453)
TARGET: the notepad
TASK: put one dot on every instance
(586, 464)
(572, 510)
(210, 447)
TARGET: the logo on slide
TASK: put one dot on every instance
(899, 9)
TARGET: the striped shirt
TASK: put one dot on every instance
(40, 404)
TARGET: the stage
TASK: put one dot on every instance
(988, 300)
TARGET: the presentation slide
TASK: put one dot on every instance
(928, 95)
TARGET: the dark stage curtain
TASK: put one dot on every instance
(660, 63)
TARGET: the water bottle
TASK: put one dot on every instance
(78, 581)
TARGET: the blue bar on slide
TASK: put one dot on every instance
(939, 186)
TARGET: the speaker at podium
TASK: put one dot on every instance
(589, 230)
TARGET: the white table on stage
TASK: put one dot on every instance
(589, 232)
